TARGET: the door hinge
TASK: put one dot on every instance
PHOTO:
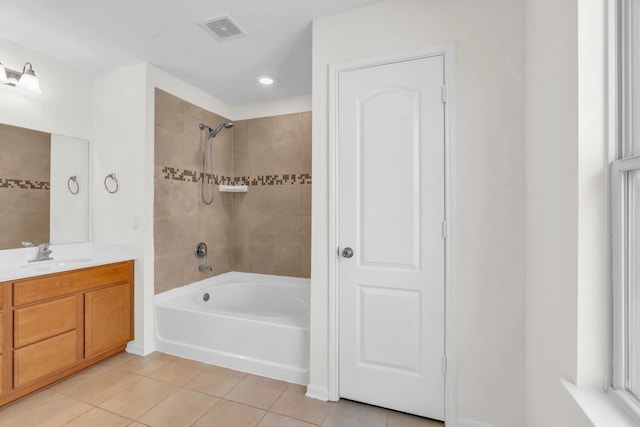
(443, 93)
(444, 229)
(444, 365)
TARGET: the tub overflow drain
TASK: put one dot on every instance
(205, 297)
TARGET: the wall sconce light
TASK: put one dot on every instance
(26, 79)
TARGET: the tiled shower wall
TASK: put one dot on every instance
(266, 230)
(272, 221)
(181, 219)
(25, 166)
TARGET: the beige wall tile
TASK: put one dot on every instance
(305, 261)
(241, 133)
(305, 159)
(25, 227)
(305, 232)
(169, 111)
(168, 150)
(286, 229)
(286, 260)
(241, 163)
(305, 190)
(261, 259)
(173, 198)
(215, 229)
(222, 205)
(261, 228)
(261, 132)
(169, 272)
(24, 201)
(26, 153)
(288, 128)
(306, 127)
(241, 258)
(172, 234)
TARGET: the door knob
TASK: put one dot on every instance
(347, 253)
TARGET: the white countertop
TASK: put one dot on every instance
(14, 263)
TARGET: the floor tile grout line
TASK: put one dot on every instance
(159, 402)
(77, 416)
(207, 411)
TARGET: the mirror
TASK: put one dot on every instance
(39, 174)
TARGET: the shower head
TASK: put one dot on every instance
(214, 132)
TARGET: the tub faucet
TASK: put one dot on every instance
(205, 268)
(43, 254)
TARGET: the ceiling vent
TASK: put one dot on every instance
(223, 28)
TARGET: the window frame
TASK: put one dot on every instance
(621, 164)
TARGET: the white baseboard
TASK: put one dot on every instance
(470, 423)
(317, 392)
(137, 350)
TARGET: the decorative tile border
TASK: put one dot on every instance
(176, 174)
(24, 184)
(296, 178)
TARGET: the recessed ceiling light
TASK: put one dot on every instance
(266, 80)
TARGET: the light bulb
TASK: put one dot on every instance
(28, 80)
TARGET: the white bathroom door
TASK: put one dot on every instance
(391, 191)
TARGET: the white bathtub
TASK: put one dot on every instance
(251, 322)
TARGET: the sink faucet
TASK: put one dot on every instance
(43, 253)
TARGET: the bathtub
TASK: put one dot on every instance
(249, 322)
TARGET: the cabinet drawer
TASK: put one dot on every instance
(43, 358)
(45, 320)
(55, 285)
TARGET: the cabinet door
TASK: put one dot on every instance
(107, 319)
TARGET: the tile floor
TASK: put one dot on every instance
(162, 390)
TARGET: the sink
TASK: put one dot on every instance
(55, 263)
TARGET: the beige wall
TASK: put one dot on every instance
(272, 221)
(490, 199)
(266, 230)
(181, 218)
(25, 166)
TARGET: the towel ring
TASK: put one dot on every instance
(73, 179)
(111, 176)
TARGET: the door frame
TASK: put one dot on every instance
(448, 51)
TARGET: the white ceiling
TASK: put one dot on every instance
(102, 35)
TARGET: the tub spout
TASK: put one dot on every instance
(205, 268)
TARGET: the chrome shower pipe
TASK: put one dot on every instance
(207, 157)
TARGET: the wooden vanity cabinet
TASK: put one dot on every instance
(54, 325)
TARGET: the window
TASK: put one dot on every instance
(625, 209)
